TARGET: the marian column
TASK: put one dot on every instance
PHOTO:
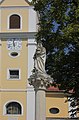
(40, 80)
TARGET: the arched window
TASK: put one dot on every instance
(13, 108)
(14, 21)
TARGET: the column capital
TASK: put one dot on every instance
(40, 81)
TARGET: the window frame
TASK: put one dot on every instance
(8, 74)
(14, 56)
(9, 22)
(4, 108)
(54, 110)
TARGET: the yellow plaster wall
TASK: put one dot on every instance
(54, 100)
(13, 96)
(19, 62)
(5, 13)
(14, 3)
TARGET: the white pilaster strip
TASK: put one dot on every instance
(0, 20)
(0, 63)
(32, 20)
(0, 49)
(31, 51)
(30, 89)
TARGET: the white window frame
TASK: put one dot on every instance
(8, 23)
(14, 56)
(8, 74)
(4, 108)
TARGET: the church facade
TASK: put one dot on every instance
(18, 26)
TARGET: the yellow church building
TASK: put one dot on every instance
(18, 26)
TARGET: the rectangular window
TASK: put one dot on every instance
(13, 74)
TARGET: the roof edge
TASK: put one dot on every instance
(30, 3)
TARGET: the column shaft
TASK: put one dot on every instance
(40, 105)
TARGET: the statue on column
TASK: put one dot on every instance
(39, 75)
(40, 59)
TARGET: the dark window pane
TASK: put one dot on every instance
(13, 108)
(54, 110)
(14, 54)
(14, 74)
(14, 21)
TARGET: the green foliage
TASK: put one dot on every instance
(59, 32)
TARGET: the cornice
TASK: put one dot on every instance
(12, 7)
(13, 90)
(28, 35)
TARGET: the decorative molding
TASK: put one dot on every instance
(13, 90)
(12, 7)
(28, 35)
(31, 44)
(39, 81)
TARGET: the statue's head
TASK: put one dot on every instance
(39, 44)
(38, 50)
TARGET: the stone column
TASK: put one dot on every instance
(0, 62)
(40, 100)
(40, 84)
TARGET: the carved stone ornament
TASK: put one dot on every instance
(39, 77)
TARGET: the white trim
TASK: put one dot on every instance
(32, 21)
(8, 21)
(31, 52)
(8, 75)
(30, 89)
(0, 60)
(32, 25)
(13, 90)
(21, 35)
(12, 7)
(4, 108)
(0, 21)
(30, 108)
